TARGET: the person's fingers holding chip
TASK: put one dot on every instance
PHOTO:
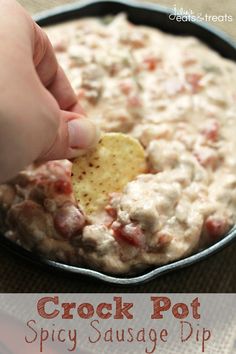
(75, 133)
(51, 74)
(35, 94)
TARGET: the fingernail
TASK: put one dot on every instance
(83, 134)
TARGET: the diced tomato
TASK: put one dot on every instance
(216, 227)
(69, 220)
(163, 239)
(205, 162)
(63, 187)
(134, 101)
(207, 157)
(194, 81)
(130, 233)
(111, 211)
(151, 63)
(211, 130)
(190, 61)
(134, 39)
(113, 69)
(126, 87)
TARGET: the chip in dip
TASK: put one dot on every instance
(117, 160)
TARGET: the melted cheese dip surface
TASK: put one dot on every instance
(178, 98)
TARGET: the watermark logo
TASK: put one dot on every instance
(183, 15)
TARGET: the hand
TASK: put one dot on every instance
(40, 118)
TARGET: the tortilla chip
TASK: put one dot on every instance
(116, 160)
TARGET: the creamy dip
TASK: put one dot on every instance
(178, 98)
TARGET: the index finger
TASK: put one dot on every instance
(51, 74)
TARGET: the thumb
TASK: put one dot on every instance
(75, 134)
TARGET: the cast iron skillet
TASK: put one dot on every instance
(155, 16)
